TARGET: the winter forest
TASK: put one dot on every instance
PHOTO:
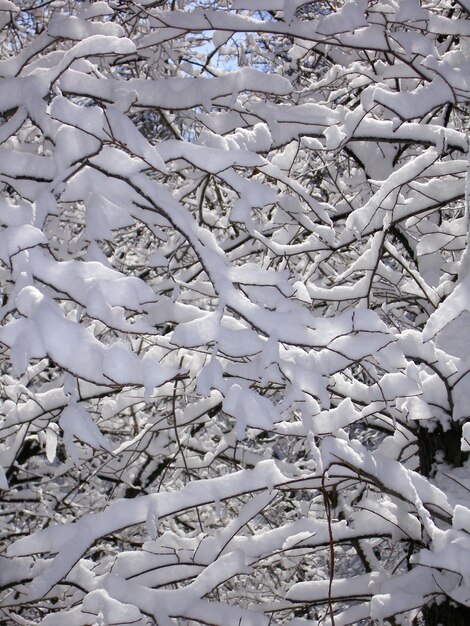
(235, 315)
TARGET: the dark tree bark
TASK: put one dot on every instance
(447, 613)
(447, 443)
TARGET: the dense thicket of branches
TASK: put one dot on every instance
(235, 320)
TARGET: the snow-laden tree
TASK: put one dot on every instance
(236, 312)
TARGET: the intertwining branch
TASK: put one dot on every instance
(235, 364)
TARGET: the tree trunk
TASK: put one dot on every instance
(447, 444)
(447, 613)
